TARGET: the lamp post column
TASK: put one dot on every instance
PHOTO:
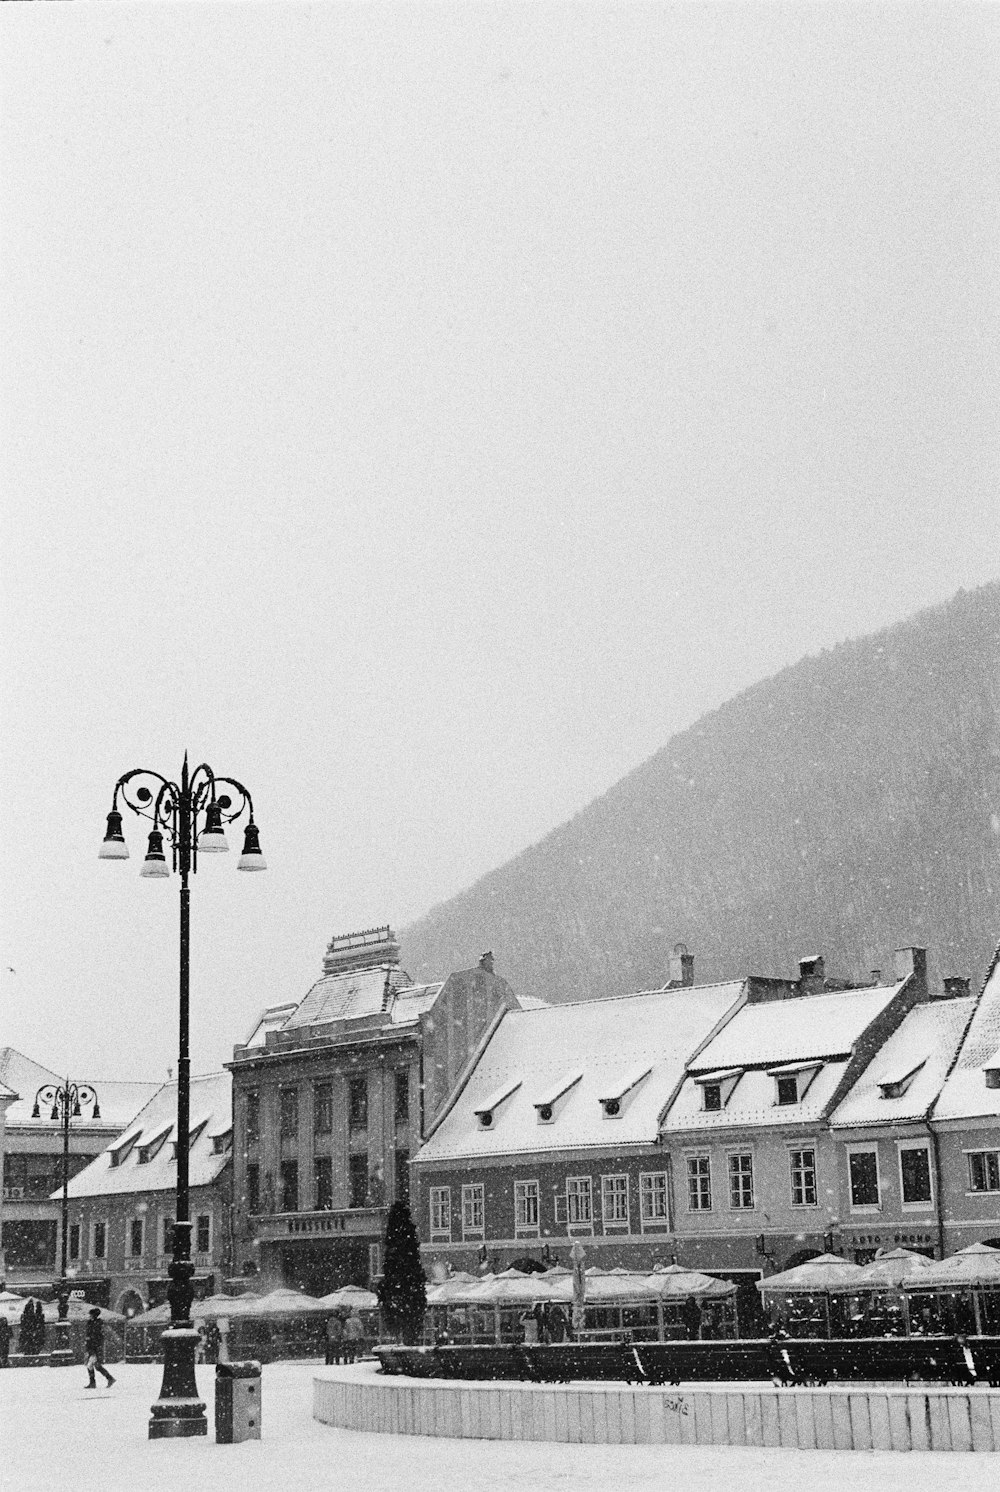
(62, 1353)
(192, 815)
(179, 1411)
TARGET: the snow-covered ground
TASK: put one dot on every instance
(54, 1432)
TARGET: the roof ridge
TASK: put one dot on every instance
(680, 989)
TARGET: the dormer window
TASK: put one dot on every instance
(547, 1103)
(895, 1085)
(612, 1100)
(793, 1081)
(122, 1148)
(788, 1089)
(486, 1112)
(717, 1088)
(153, 1144)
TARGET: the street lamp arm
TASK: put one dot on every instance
(246, 802)
(137, 797)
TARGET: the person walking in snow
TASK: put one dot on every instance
(94, 1347)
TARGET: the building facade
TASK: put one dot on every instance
(122, 1205)
(33, 1162)
(687, 1124)
(331, 1100)
(965, 1119)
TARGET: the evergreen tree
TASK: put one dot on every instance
(402, 1290)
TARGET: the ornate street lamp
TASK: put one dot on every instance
(191, 817)
(64, 1103)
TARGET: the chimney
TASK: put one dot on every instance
(486, 963)
(681, 968)
(956, 987)
(912, 962)
(812, 975)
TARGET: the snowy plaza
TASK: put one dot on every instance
(55, 1430)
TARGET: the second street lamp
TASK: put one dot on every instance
(65, 1103)
(190, 817)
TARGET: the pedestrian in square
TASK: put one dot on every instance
(334, 1338)
(94, 1346)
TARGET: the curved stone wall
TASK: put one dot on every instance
(856, 1418)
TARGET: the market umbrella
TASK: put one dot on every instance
(514, 1288)
(79, 1310)
(355, 1296)
(458, 1289)
(281, 1302)
(888, 1272)
(815, 1277)
(605, 1285)
(976, 1265)
(676, 1282)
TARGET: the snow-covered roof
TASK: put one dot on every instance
(271, 1019)
(807, 1026)
(346, 996)
(808, 1035)
(117, 1101)
(965, 1094)
(606, 1041)
(211, 1101)
(920, 1049)
(359, 994)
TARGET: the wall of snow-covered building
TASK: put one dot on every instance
(966, 1120)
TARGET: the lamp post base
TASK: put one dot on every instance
(178, 1412)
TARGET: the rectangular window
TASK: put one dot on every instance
(74, 1240)
(788, 1090)
(525, 1206)
(253, 1187)
(168, 1235)
(614, 1201)
(289, 1186)
(863, 1167)
(712, 1093)
(288, 1114)
(402, 1164)
(474, 1210)
(984, 1171)
(699, 1178)
(653, 1197)
(440, 1214)
(135, 1238)
(322, 1108)
(253, 1118)
(357, 1103)
(802, 1164)
(357, 1173)
(100, 1249)
(203, 1233)
(323, 1183)
(402, 1095)
(579, 1201)
(741, 1182)
(915, 1175)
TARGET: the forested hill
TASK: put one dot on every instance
(848, 806)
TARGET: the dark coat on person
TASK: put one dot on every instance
(94, 1338)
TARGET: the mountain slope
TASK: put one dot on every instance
(849, 805)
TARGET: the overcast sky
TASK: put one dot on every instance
(423, 412)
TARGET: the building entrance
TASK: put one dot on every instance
(319, 1268)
